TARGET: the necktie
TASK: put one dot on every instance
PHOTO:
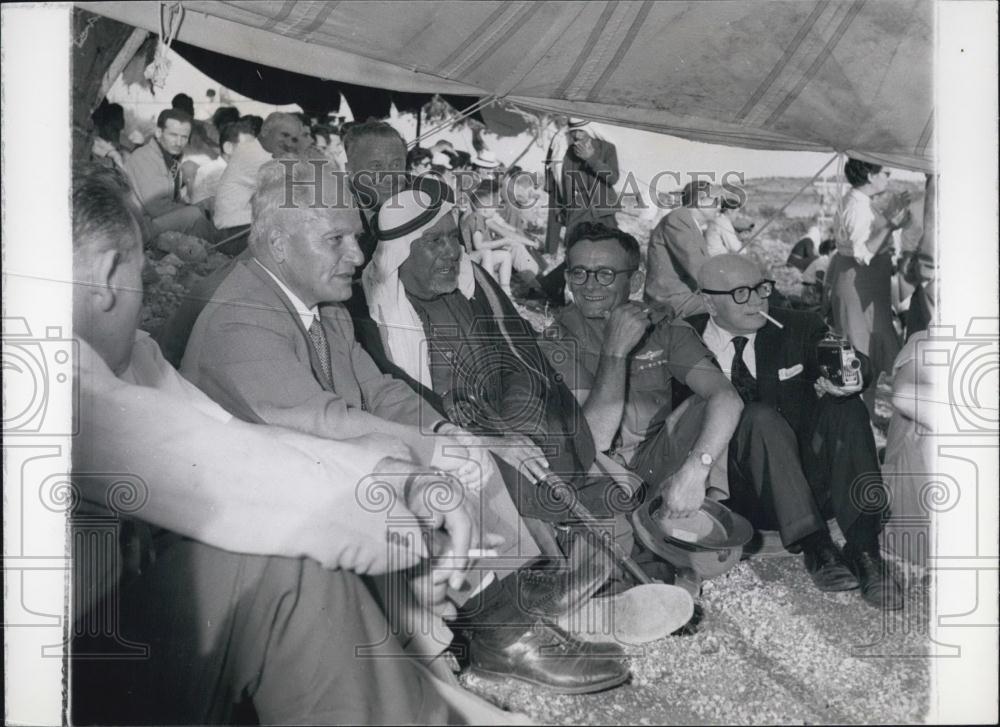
(743, 380)
(322, 348)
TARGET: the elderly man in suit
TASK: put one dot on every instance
(804, 446)
(677, 249)
(276, 344)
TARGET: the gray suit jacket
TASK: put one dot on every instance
(676, 250)
(250, 352)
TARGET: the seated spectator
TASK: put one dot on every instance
(480, 239)
(154, 170)
(721, 235)
(814, 276)
(456, 337)
(235, 604)
(418, 161)
(803, 252)
(677, 249)
(224, 116)
(256, 123)
(486, 165)
(207, 178)
(109, 123)
(279, 136)
(276, 344)
(200, 150)
(804, 446)
(183, 102)
(519, 195)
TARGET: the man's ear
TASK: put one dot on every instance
(709, 303)
(277, 241)
(637, 282)
(103, 290)
(227, 147)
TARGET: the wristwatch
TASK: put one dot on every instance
(704, 457)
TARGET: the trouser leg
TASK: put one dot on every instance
(766, 481)
(841, 463)
(283, 633)
(190, 220)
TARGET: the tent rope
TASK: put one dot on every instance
(156, 72)
(802, 189)
(482, 103)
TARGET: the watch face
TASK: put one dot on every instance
(706, 459)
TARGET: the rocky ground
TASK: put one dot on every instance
(771, 649)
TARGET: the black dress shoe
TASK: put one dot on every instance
(878, 587)
(827, 568)
(549, 657)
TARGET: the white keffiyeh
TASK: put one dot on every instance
(399, 325)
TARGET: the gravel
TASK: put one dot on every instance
(771, 650)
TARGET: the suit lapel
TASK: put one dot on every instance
(264, 277)
(767, 354)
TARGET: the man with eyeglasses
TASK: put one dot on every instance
(804, 448)
(621, 359)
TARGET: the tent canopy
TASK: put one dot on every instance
(821, 75)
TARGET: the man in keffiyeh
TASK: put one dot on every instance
(447, 325)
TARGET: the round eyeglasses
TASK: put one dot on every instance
(604, 276)
(741, 295)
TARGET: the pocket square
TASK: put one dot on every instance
(785, 374)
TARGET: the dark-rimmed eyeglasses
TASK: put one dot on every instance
(741, 295)
(604, 276)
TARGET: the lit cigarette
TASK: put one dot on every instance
(770, 319)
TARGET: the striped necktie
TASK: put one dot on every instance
(319, 341)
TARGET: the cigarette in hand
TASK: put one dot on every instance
(770, 319)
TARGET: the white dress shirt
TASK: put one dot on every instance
(238, 183)
(307, 314)
(720, 343)
(854, 226)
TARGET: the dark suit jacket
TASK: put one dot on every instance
(776, 348)
(250, 352)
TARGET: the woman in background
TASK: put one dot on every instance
(860, 275)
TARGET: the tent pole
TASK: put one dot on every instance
(420, 116)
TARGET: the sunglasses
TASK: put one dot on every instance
(741, 295)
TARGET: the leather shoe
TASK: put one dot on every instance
(549, 657)
(827, 568)
(552, 589)
(878, 587)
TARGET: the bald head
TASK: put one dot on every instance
(280, 133)
(719, 277)
(723, 272)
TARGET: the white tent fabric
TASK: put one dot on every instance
(820, 75)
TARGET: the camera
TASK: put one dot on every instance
(36, 371)
(837, 361)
